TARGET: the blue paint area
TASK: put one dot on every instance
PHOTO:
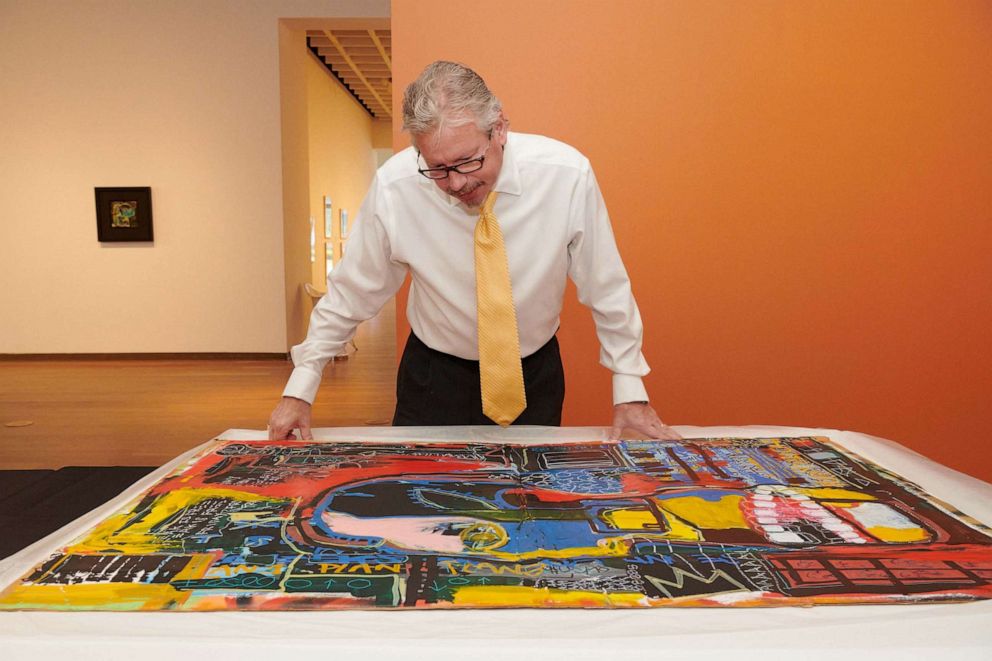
(709, 495)
(750, 466)
(558, 535)
(257, 540)
(576, 480)
(651, 559)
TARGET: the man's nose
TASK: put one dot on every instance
(456, 180)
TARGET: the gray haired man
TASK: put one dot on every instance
(422, 216)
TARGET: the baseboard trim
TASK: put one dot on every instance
(143, 356)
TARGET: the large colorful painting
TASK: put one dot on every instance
(626, 524)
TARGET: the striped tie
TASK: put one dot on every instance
(500, 370)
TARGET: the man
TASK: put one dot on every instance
(542, 218)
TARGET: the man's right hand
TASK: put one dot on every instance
(290, 414)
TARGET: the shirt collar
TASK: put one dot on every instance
(508, 180)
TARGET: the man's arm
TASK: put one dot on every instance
(604, 287)
(356, 290)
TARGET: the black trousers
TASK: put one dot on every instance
(435, 388)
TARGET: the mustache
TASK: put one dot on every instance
(463, 190)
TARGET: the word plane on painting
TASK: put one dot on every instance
(623, 524)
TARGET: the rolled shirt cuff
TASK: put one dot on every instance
(302, 384)
(628, 388)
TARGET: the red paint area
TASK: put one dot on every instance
(305, 482)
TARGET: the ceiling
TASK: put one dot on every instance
(362, 60)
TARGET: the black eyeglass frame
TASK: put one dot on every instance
(445, 170)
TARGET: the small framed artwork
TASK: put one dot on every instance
(124, 214)
(344, 223)
(313, 242)
(328, 217)
(328, 258)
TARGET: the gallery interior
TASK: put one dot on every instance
(799, 192)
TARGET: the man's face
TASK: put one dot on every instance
(458, 144)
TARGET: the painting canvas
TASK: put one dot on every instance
(124, 214)
(257, 525)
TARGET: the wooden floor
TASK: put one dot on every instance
(145, 412)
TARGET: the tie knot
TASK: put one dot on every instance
(487, 205)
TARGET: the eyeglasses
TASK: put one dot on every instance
(465, 167)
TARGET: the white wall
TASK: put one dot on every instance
(179, 95)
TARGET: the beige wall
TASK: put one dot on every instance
(342, 161)
(327, 141)
(182, 96)
(382, 134)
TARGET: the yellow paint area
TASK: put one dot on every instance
(846, 494)
(678, 529)
(102, 596)
(106, 596)
(700, 513)
(630, 518)
(483, 536)
(114, 534)
(248, 517)
(897, 535)
(488, 596)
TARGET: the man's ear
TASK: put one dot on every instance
(502, 128)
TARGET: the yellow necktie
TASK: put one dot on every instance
(500, 371)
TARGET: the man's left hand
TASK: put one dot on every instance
(643, 419)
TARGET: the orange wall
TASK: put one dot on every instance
(802, 193)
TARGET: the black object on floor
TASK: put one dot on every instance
(34, 503)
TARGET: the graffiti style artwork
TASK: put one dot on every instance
(123, 214)
(626, 524)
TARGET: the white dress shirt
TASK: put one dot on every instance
(554, 224)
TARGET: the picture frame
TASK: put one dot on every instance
(344, 223)
(124, 214)
(328, 217)
(313, 242)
